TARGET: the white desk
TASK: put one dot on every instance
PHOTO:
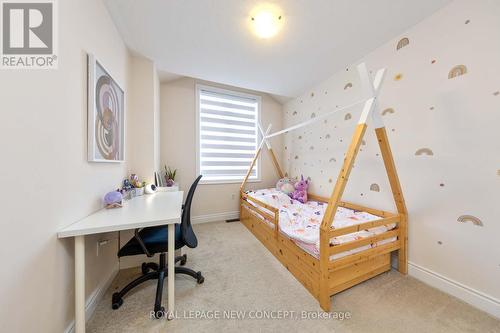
(144, 211)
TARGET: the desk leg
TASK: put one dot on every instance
(80, 284)
(171, 270)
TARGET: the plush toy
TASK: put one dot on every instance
(300, 193)
(286, 185)
(113, 199)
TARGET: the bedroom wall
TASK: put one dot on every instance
(46, 179)
(213, 202)
(143, 136)
(443, 135)
(143, 119)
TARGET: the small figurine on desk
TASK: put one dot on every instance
(127, 186)
(113, 199)
(134, 180)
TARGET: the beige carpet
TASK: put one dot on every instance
(240, 274)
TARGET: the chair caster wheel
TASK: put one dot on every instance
(160, 312)
(199, 278)
(144, 268)
(183, 260)
(116, 301)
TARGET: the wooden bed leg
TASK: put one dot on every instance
(403, 251)
(324, 258)
(324, 301)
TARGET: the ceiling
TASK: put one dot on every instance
(212, 40)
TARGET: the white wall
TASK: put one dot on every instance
(143, 136)
(46, 179)
(143, 119)
(178, 146)
(456, 118)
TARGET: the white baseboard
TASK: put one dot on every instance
(95, 298)
(467, 294)
(215, 217)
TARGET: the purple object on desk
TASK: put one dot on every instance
(113, 199)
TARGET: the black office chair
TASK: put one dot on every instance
(153, 240)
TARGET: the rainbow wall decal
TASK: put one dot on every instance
(375, 187)
(402, 43)
(424, 151)
(347, 86)
(457, 71)
(347, 116)
(388, 110)
(470, 218)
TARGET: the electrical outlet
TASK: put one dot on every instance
(100, 243)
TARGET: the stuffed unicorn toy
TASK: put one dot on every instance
(300, 193)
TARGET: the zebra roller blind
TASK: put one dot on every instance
(228, 134)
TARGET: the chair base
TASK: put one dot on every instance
(154, 271)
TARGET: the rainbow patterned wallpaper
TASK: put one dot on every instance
(441, 106)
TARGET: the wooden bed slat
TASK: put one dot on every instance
(363, 226)
(377, 212)
(260, 203)
(267, 216)
(363, 256)
(362, 242)
(350, 205)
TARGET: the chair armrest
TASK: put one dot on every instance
(141, 242)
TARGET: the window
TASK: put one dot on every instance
(228, 135)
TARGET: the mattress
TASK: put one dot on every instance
(301, 222)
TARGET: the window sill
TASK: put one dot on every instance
(222, 182)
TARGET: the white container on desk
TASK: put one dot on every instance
(174, 188)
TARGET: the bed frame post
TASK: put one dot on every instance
(372, 90)
(270, 149)
(276, 164)
(257, 153)
(397, 193)
(333, 202)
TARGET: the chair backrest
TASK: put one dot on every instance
(187, 232)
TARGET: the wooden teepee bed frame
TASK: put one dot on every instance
(324, 277)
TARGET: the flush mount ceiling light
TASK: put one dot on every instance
(266, 21)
